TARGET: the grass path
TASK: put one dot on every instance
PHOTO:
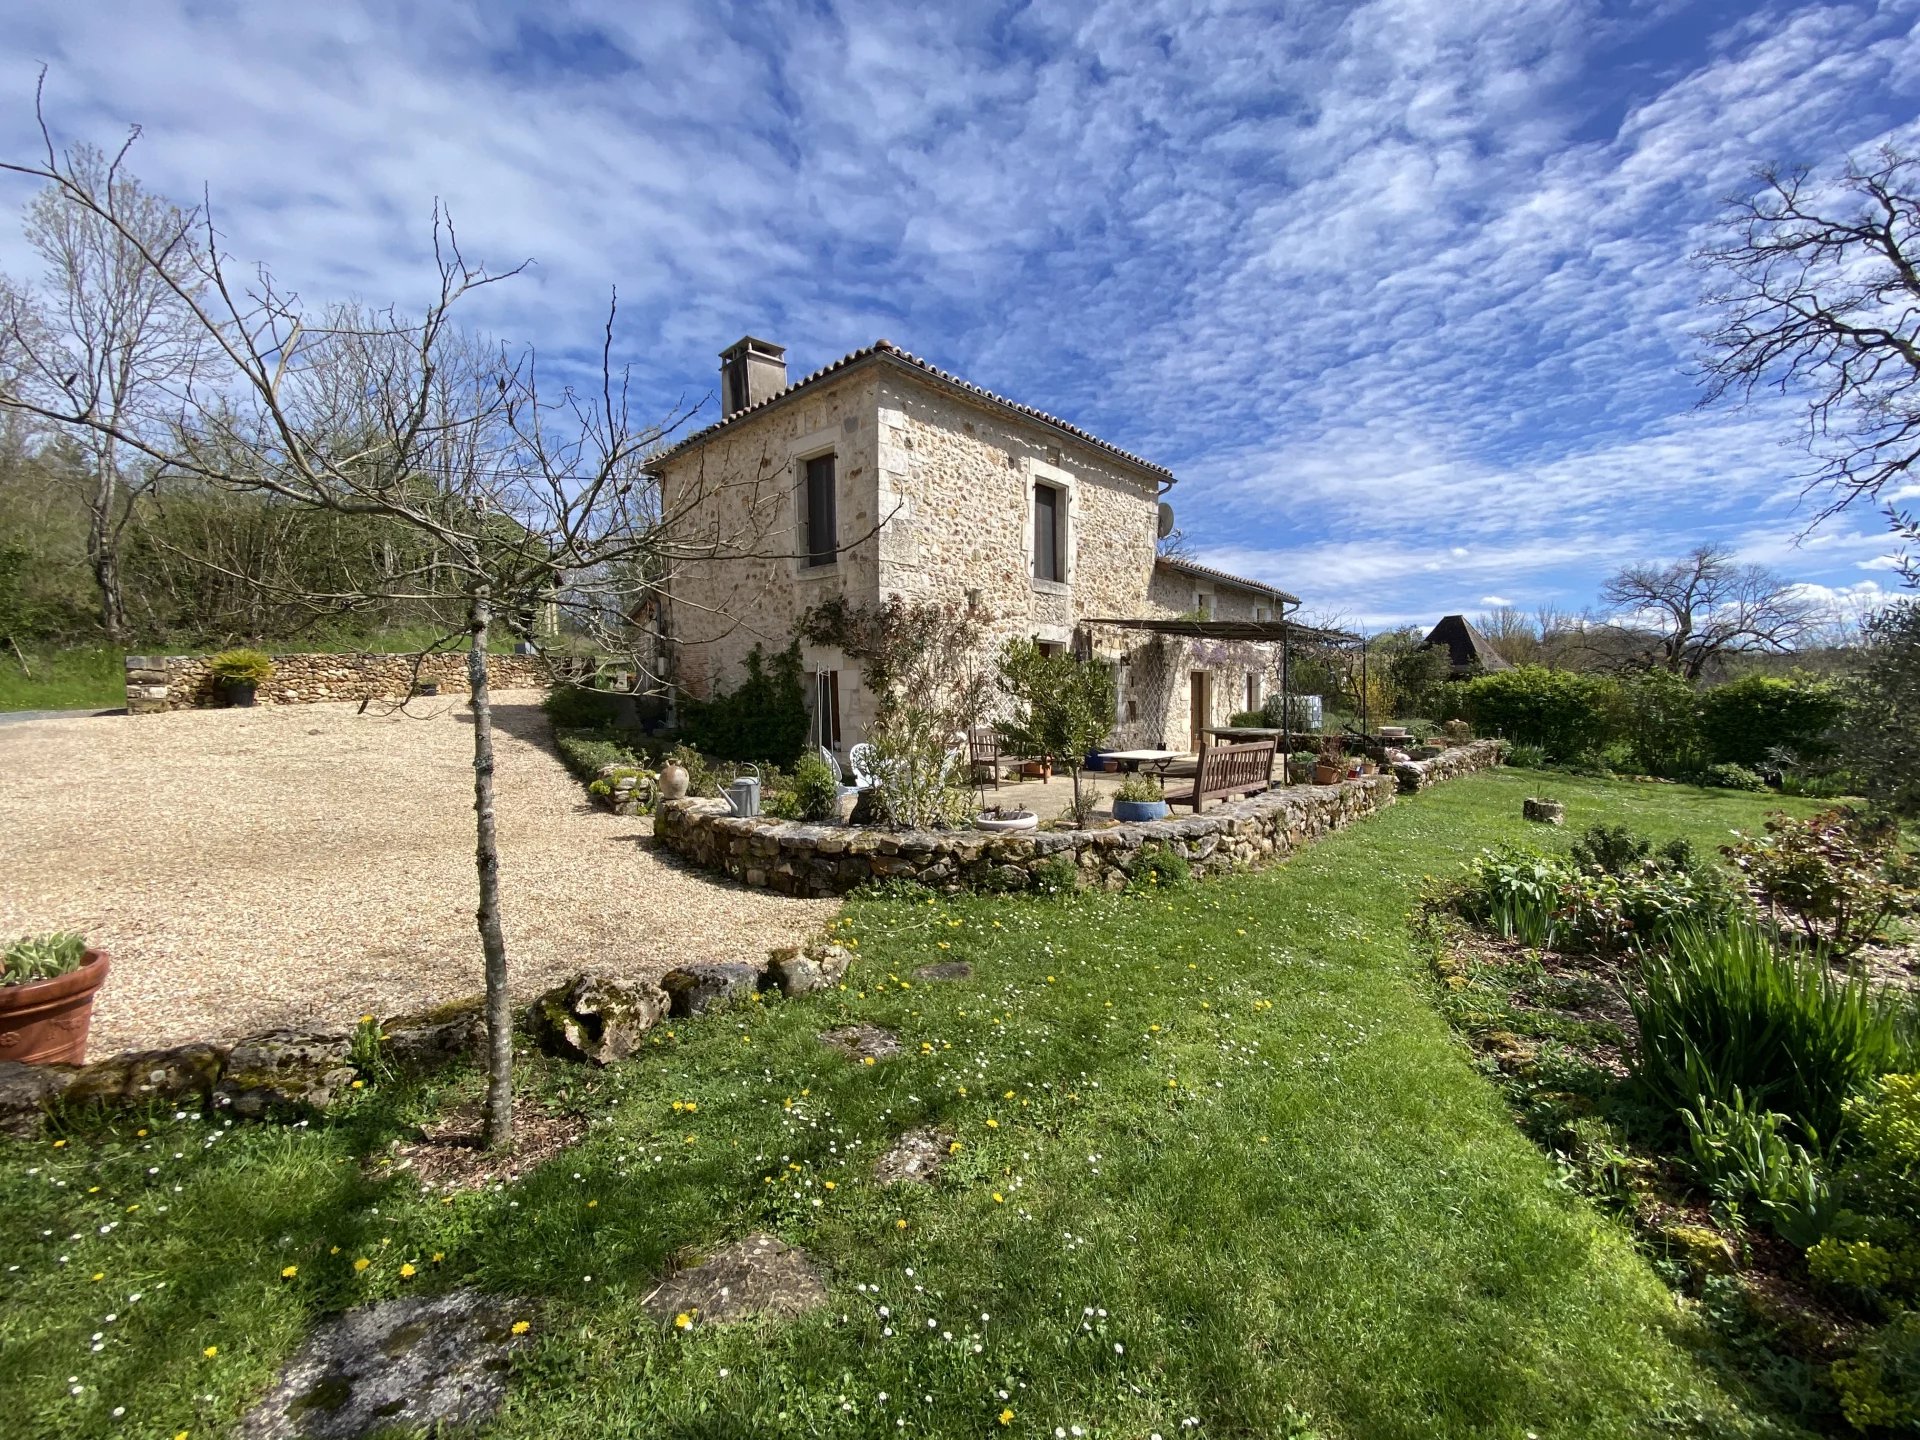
(1219, 1162)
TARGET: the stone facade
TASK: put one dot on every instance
(157, 683)
(801, 859)
(935, 487)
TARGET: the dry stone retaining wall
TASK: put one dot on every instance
(801, 859)
(158, 683)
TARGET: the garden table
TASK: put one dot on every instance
(1134, 759)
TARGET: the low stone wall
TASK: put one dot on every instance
(157, 683)
(1416, 775)
(801, 859)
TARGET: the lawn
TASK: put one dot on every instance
(1221, 1171)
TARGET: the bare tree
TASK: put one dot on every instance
(1818, 289)
(108, 334)
(1683, 614)
(523, 496)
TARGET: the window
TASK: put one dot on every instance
(1050, 648)
(1047, 506)
(826, 709)
(1262, 612)
(1253, 690)
(822, 544)
(1203, 604)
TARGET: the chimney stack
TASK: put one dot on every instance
(750, 371)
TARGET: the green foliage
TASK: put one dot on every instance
(816, 794)
(1056, 875)
(1724, 775)
(41, 957)
(1058, 706)
(1248, 719)
(1721, 1010)
(587, 752)
(1879, 1383)
(575, 707)
(763, 721)
(1527, 757)
(1418, 675)
(1566, 715)
(1138, 787)
(1659, 719)
(1514, 892)
(80, 678)
(1158, 867)
(1837, 877)
(1743, 722)
(244, 667)
(1882, 741)
(1742, 1156)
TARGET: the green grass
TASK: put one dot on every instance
(1220, 1158)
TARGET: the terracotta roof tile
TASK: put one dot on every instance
(888, 351)
(1207, 572)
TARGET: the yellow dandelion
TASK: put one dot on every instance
(359, 1084)
(899, 1224)
(438, 1256)
(867, 1061)
(141, 1134)
(366, 1019)
(334, 1251)
(1006, 1415)
(287, 1272)
(99, 1274)
(211, 1351)
(361, 1264)
(954, 1148)
(683, 1321)
(829, 1184)
(59, 1144)
(592, 1204)
(407, 1271)
(520, 1327)
(993, 1124)
(998, 1198)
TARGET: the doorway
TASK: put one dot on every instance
(1199, 707)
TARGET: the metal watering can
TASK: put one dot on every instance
(743, 795)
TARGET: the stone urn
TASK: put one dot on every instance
(673, 781)
(45, 1022)
(1547, 812)
(1007, 821)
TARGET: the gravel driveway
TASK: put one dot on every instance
(250, 868)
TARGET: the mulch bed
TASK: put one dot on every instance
(451, 1156)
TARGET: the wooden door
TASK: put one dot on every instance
(1199, 707)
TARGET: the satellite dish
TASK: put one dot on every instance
(1166, 519)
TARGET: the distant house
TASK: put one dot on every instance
(881, 475)
(1470, 652)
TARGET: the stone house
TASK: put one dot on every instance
(880, 475)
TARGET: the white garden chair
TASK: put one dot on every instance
(839, 775)
(865, 761)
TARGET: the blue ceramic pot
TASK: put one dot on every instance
(1132, 811)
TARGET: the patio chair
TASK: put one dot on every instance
(839, 775)
(865, 761)
(983, 751)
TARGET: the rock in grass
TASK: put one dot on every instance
(140, 1075)
(282, 1070)
(396, 1367)
(796, 971)
(862, 1041)
(25, 1093)
(597, 1018)
(914, 1159)
(695, 989)
(945, 970)
(425, 1040)
(756, 1276)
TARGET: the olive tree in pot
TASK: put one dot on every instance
(1056, 705)
(239, 674)
(47, 985)
(1139, 798)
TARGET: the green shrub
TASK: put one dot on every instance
(1722, 1011)
(763, 721)
(1526, 757)
(1879, 1383)
(1056, 875)
(587, 752)
(1566, 715)
(1514, 892)
(41, 957)
(1881, 741)
(815, 792)
(1248, 719)
(1837, 877)
(1727, 776)
(1160, 868)
(1743, 1159)
(1660, 722)
(1143, 789)
(241, 667)
(575, 707)
(1742, 722)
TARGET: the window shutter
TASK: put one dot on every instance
(1046, 533)
(822, 542)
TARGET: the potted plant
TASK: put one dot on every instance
(1139, 798)
(1005, 817)
(1300, 766)
(1329, 766)
(47, 985)
(239, 674)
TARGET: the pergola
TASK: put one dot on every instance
(1284, 633)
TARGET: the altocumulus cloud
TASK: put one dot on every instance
(1399, 289)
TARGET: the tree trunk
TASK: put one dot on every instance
(487, 861)
(103, 550)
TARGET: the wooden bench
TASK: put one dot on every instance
(1228, 770)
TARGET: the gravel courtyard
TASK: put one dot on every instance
(251, 868)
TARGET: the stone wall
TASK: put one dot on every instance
(801, 859)
(184, 682)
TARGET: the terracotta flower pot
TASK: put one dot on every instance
(1326, 774)
(45, 1022)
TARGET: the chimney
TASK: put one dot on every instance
(750, 371)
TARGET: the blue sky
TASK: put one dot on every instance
(1399, 290)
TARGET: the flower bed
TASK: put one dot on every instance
(800, 859)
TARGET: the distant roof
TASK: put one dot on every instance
(886, 352)
(1466, 646)
(1221, 577)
